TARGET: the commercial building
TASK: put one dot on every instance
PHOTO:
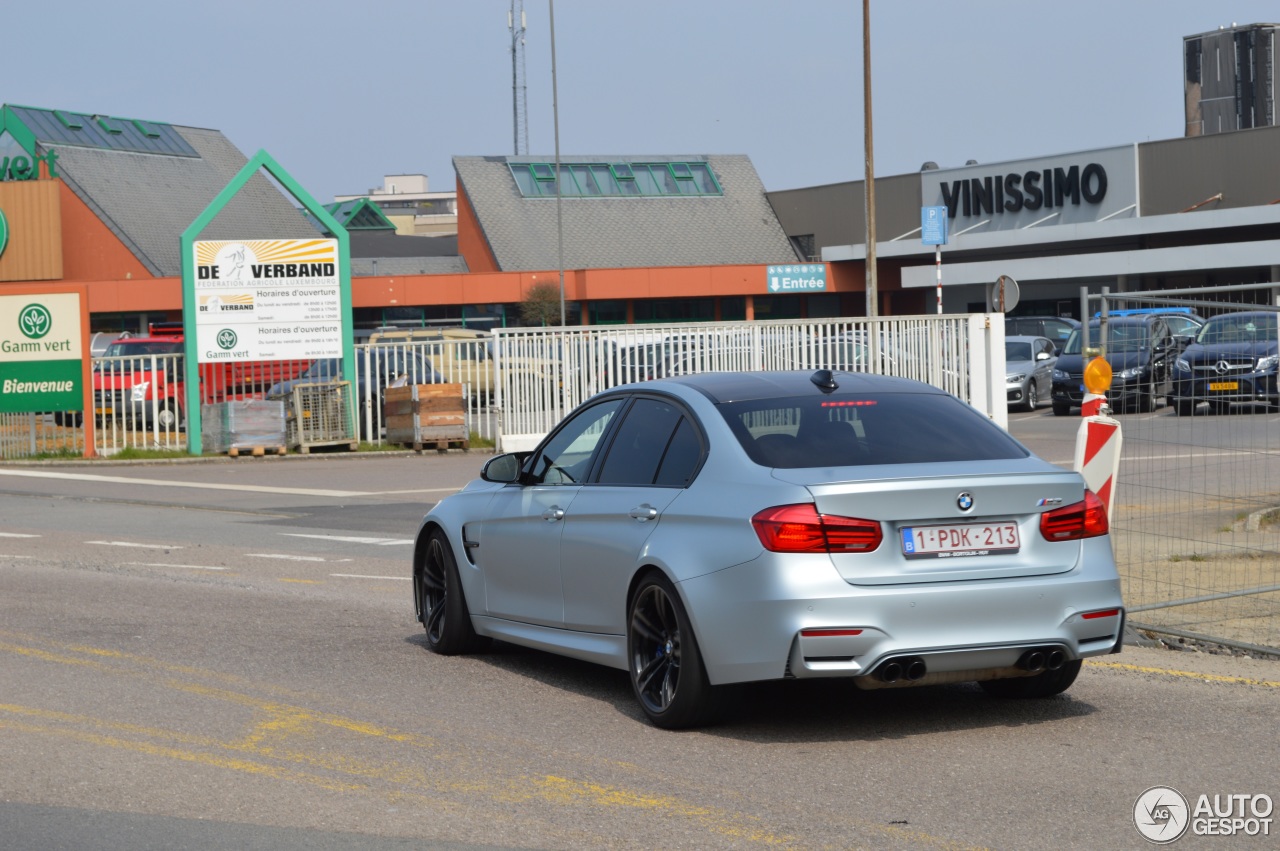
(1231, 79)
(102, 200)
(1187, 212)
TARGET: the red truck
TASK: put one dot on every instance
(142, 380)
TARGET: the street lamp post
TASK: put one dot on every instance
(869, 193)
(555, 117)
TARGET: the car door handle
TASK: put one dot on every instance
(644, 512)
(553, 514)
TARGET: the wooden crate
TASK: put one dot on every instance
(426, 416)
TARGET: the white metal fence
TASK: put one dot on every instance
(542, 373)
(518, 383)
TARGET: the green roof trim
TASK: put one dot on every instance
(360, 214)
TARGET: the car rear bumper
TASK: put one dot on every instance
(766, 619)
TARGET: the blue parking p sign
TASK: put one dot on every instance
(933, 225)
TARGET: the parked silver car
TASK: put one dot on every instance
(733, 527)
(1028, 366)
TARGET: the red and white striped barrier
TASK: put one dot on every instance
(1098, 455)
(1092, 404)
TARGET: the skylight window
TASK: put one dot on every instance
(606, 180)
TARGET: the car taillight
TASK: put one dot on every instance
(1087, 519)
(801, 529)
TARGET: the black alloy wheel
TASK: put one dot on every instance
(667, 673)
(440, 603)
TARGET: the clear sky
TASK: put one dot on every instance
(342, 93)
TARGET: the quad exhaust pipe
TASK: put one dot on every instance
(1039, 659)
(909, 668)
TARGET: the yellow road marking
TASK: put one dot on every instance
(270, 738)
(303, 581)
(1170, 672)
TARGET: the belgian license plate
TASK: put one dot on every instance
(960, 540)
(1224, 385)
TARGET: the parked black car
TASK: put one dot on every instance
(1141, 350)
(1056, 328)
(1233, 359)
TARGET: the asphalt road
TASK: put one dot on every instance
(224, 654)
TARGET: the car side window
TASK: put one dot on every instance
(641, 443)
(566, 458)
(684, 454)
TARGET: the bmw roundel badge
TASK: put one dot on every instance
(965, 501)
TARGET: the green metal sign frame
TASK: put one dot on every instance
(261, 160)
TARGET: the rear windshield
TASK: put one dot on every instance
(849, 430)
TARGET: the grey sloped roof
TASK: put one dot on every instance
(391, 244)
(148, 200)
(738, 227)
(364, 266)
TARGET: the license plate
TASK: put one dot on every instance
(103, 412)
(959, 540)
(1224, 385)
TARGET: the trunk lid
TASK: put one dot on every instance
(996, 537)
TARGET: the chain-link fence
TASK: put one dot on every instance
(1196, 525)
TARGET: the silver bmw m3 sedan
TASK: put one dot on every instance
(726, 528)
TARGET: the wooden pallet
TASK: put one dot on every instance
(426, 416)
(255, 451)
(441, 445)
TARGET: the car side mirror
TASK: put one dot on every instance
(502, 469)
(1042, 355)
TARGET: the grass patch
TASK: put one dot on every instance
(66, 453)
(135, 453)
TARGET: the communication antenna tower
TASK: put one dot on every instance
(519, 91)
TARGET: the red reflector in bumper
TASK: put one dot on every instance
(1105, 613)
(820, 633)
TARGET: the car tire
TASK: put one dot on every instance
(68, 419)
(1033, 396)
(1061, 409)
(441, 606)
(1045, 684)
(167, 417)
(1146, 401)
(1183, 407)
(667, 674)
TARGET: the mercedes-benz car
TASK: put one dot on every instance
(1232, 359)
(734, 527)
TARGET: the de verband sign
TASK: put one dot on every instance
(1062, 189)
